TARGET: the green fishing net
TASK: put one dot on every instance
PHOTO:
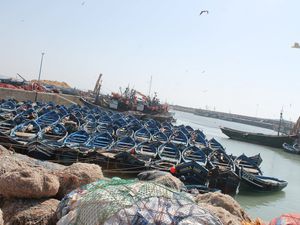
(135, 202)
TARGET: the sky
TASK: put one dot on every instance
(237, 58)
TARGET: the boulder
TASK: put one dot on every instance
(225, 217)
(224, 201)
(76, 175)
(10, 161)
(1, 218)
(30, 212)
(164, 178)
(28, 183)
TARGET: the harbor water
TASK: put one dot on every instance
(276, 163)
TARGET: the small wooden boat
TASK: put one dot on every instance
(40, 150)
(8, 106)
(258, 138)
(256, 159)
(56, 133)
(160, 136)
(100, 141)
(26, 132)
(147, 151)
(247, 164)
(192, 153)
(215, 145)
(294, 149)
(71, 123)
(48, 119)
(102, 128)
(76, 139)
(29, 114)
(105, 119)
(6, 126)
(178, 137)
(126, 144)
(191, 173)
(89, 127)
(170, 153)
(223, 172)
(124, 131)
(198, 139)
(167, 131)
(142, 135)
(261, 183)
(7, 115)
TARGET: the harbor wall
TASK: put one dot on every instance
(23, 95)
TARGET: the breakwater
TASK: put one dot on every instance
(285, 126)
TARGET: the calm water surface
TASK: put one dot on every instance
(275, 163)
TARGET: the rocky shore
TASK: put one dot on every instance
(31, 190)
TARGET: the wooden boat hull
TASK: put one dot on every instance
(262, 183)
(256, 138)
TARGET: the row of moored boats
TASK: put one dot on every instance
(121, 143)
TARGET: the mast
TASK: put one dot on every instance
(150, 85)
(279, 126)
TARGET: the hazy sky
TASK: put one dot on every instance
(237, 58)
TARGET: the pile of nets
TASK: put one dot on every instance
(133, 202)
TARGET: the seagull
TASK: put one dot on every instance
(82, 3)
(203, 71)
(203, 11)
(296, 45)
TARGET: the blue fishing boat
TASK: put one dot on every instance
(294, 149)
(6, 126)
(193, 153)
(53, 133)
(124, 131)
(100, 141)
(26, 132)
(198, 139)
(105, 119)
(40, 150)
(126, 144)
(90, 127)
(29, 114)
(76, 139)
(178, 137)
(102, 128)
(48, 119)
(215, 145)
(170, 153)
(146, 151)
(8, 106)
(160, 136)
(142, 135)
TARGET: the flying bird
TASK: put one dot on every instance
(82, 3)
(203, 11)
(296, 45)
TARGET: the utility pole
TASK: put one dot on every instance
(39, 78)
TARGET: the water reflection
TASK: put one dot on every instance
(254, 199)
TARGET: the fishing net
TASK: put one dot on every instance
(131, 202)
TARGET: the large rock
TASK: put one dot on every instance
(28, 183)
(10, 161)
(77, 175)
(224, 201)
(161, 177)
(30, 212)
(1, 218)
